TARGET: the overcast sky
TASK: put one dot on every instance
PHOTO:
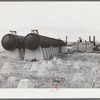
(52, 19)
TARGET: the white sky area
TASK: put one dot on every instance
(52, 19)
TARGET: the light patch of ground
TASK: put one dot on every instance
(79, 70)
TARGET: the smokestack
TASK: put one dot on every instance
(93, 40)
(66, 40)
(90, 39)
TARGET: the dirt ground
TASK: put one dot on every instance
(78, 70)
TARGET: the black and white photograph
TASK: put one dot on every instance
(45, 45)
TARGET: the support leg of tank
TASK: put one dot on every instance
(54, 50)
(33, 54)
(21, 53)
(47, 53)
(14, 54)
(51, 50)
(44, 53)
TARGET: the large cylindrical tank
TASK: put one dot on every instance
(33, 41)
(12, 41)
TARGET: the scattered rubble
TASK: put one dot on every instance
(43, 73)
(54, 59)
(12, 79)
(34, 67)
(69, 63)
(27, 66)
(43, 64)
(97, 84)
(7, 68)
(25, 83)
(76, 66)
(78, 76)
(49, 64)
(87, 85)
(70, 71)
(59, 62)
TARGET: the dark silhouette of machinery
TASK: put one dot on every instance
(34, 40)
(31, 41)
(12, 41)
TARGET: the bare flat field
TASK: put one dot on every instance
(78, 70)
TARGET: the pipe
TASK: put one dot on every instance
(90, 39)
(94, 40)
(33, 41)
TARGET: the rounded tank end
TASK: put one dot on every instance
(31, 41)
(9, 42)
